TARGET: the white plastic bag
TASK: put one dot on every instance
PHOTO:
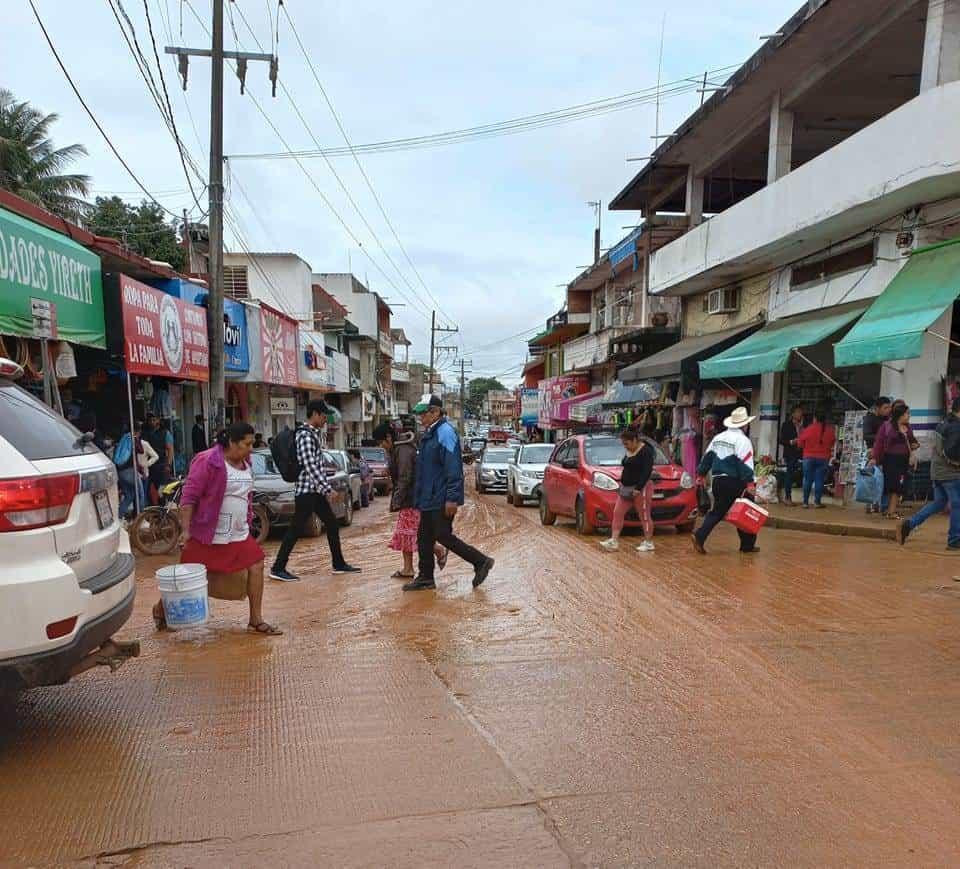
(767, 489)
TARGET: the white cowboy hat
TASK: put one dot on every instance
(739, 418)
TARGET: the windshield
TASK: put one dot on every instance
(497, 457)
(34, 430)
(537, 454)
(608, 452)
(263, 465)
(373, 454)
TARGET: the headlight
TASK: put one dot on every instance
(687, 481)
(604, 481)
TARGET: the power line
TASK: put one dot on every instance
(93, 117)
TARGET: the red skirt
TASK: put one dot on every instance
(223, 557)
(405, 534)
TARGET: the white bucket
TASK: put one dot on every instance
(183, 588)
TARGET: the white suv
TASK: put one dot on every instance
(66, 571)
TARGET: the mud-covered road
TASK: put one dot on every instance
(796, 707)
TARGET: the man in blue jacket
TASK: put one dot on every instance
(438, 493)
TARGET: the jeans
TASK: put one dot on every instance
(305, 506)
(814, 476)
(726, 490)
(435, 527)
(943, 494)
(128, 478)
(793, 465)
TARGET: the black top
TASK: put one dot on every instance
(637, 469)
(199, 438)
(790, 431)
(871, 425)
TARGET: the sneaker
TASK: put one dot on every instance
(345, 568)
(953, 547)
(610, 545)
(419, 583)
(750, 551)
(646, 546)
(283, 575)
(903, 531)
(481, 573)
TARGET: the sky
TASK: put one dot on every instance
(493, 227)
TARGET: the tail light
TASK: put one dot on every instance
(36, 502)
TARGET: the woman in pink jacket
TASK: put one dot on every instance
(215, 513)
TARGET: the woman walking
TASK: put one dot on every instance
(893, 451)
(816, 441)
(215, 512)
(636, 490)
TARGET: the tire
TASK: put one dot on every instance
(347, 519)
(546, 517)
(584, 527)
(260, 527)
(155, 531)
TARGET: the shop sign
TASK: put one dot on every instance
(316, 372)
(236, 347)
(163, 335)
(283, 405)
(278, 348)
(552, 394)
(50, 286)
(529, 399)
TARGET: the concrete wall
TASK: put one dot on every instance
(290, 282)
(361, 306)
(754, 294)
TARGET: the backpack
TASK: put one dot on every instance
(949, 431)
(284, 452)
(123, 454)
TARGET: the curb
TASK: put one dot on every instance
(788, 524)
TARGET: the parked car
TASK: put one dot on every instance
(525, 473)
(583, 476)
(275, 495)
(341, 459)
(376, 458)
(67, 574)
(491, 470)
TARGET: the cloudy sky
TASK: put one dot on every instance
(492, 226)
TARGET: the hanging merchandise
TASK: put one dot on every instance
(65, 363)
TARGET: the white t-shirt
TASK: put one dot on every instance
(232, 524)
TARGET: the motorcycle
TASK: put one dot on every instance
(156, 530)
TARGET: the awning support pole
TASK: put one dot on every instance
(133, 446)
(823, 373)
(944, 338)
(734, 389)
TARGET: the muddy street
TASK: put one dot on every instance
(795, 707)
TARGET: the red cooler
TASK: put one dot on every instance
(747, 516)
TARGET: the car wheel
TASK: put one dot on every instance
(260, 526)
(583, 523)
(546, 517)
(347, 519)
(155, 531)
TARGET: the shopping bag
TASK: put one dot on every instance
(869, 485)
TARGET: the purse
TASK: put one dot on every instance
(628, 493)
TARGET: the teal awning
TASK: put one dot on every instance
(894, 325)
(769, 349)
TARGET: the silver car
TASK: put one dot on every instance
(491, 470)
(525, 473)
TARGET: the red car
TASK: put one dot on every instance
(376, 458)
(583, 477)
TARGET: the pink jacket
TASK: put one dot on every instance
(204, 489)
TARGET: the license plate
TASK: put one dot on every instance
(658, 496)
(104, 509)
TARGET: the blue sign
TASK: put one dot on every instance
(529, 406)
(236, 348)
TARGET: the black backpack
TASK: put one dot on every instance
(284, 452)
(949, 431)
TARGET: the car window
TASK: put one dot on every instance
(330, 461)
(34, 430)
(608, 452)
(535, 454)
(263, 465)
(565, 452)
(373, 454)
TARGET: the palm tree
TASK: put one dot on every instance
(32, 167)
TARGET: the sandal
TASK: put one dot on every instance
(399, 574)
(442, 559)
(265, 628)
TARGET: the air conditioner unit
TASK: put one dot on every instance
(723, 301)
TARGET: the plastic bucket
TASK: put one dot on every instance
(183, 588)
(747, 516)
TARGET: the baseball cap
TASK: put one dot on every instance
(426, 402)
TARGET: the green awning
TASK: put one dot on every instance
(894, 325)
(769, 349)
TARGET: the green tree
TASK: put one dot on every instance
(32, 167)
(477, 391)
(143, 228)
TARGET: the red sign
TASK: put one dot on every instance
(162, 335)
(278, 342)
(552, 395)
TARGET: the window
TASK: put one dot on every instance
(34, 430)
(723, 301)
(853, 259)
(235, 282)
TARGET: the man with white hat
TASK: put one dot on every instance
(730, 463)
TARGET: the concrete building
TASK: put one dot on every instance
(810, 186)
(403, 399)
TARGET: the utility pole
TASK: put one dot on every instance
(463, 397)
(596, 206)
(217, 55)
(434, 329)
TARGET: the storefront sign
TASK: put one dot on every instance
(316, 372)
(283, 405)
(278, 347)
(552, 393)
(162, 335)
(528, 406)
(50, 286)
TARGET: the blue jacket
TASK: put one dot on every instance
(439, 468)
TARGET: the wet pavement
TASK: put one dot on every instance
(795, 707)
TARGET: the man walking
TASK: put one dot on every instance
(792, 454)
(310, 496)
(198, 436)
(730, 462)
(438, 494)
(945, 473)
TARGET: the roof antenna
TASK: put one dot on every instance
(663, 28)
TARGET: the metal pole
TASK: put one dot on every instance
(133, 446)
(215, 306)
(433, 331)
(463, 409)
